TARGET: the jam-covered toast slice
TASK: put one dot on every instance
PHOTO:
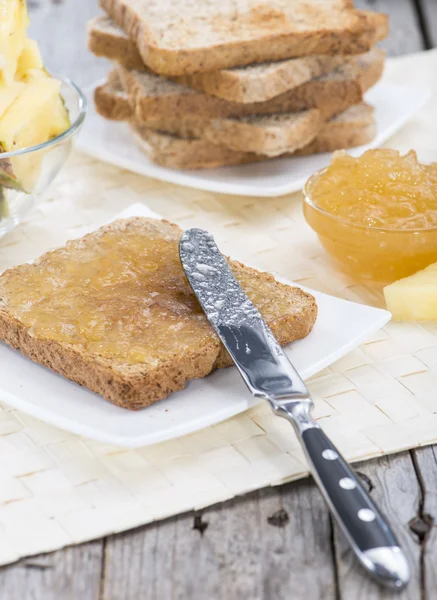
(114, 312)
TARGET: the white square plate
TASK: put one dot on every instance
(112, 142)
(27, 386)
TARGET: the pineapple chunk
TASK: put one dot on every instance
(14, 21)
(50, 122)
(414, 298)
(30, 58)
(9, 93)
(18, 125)
(37, 115)
(31, 108)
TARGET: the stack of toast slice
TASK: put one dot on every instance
(236, 81)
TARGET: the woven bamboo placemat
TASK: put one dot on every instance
(58, 489)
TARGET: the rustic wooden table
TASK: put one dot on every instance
(275, 543)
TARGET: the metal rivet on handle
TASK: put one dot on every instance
(329, 454)
(365, 514)
(347, 483)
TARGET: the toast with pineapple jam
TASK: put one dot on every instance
(113, 311)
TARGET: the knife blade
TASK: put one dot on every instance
(269, 374)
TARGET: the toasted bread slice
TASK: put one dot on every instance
(155, 98)
(107, 40)
(355, 127)
(208, 35)
(295, 133)
(114, 312)
(176, 152)
(253, 83)
(263, 81)
(182, 150)
(111, 101)
(269, 135)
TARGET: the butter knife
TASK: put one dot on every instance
(269, 374)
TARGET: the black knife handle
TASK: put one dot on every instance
(360, 519)
(348, 500)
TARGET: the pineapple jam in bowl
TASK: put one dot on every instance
(28, 166)
(375, 215)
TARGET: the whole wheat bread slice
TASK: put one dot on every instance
(76, 328)
(262, 81)
(111, 101)
(269, 135)
(208, 35)
(155, 98)
(355, 127)
(107, 40)
(175, 152)
(253, 83)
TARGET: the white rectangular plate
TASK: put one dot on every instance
(27, 386)
(112, 142)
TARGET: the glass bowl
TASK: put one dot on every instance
(42, 162)
(372, 254)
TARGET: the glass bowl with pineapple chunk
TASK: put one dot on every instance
(40, 118)
(375, 215)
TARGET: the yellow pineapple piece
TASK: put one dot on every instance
(37, 115)
(9, 93)
(30, 58)
(31, 108)
(14, 21)
(18, 123)
(414, 298)
(25, 169)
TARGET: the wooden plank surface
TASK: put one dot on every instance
(70, 574)
(425, 524)
(276, 543)
(385, 475)
(254, 547)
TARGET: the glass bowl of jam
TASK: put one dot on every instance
(375, 215)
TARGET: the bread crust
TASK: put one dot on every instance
(138, 385)
(112, 103)
(259, 83)
(176, 152)
(330, 94)
(106, 44)
(254, 83)
(269, 136)
(339, 140)
(179, 148)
